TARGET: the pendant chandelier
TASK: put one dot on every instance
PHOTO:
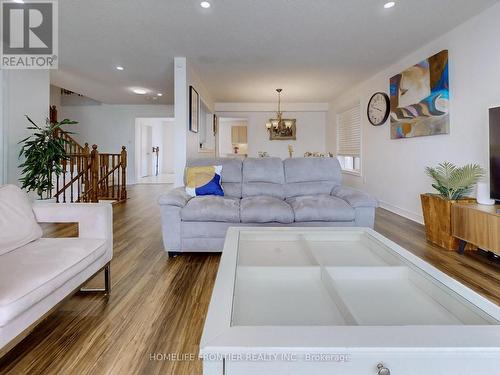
(280, 128)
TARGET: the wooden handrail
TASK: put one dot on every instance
(71, 145)
(69, 183)
(109, 173)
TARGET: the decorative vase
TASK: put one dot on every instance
(437, 219)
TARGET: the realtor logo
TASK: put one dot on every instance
(29, 34)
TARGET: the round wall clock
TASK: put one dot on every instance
(378, 108)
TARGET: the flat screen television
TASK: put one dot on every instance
(495, 153)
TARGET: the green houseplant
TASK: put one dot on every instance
(43, 153)
(452, 183)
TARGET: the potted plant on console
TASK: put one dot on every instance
(43, 153)
(453, 184)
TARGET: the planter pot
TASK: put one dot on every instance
(437, 219)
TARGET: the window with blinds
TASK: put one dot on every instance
(349, 139)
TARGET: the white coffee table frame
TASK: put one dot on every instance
(459, 349)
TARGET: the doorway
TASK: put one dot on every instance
(233, 137)
(154, 156)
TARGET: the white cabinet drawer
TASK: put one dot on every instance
(407, 363)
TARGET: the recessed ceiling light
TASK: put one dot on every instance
(139, 91)
(119, 67)
(205, 4)
(390, 4)
(159, 94)
(19, 1)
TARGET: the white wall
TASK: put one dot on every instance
(26, 92)
(311, 126)
(181, 101)
(3, 132)
(112, 126)
(168, 154)
(186, 142)
(393, 170)
(193, 144)
(55, 97)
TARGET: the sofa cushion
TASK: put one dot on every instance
(30, 273)
(231, 175)
(212, 208)
(320, 208)
(18, 225)
(309, 176)
(265, 209)
(263, 176)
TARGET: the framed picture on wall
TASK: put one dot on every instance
(194, 109)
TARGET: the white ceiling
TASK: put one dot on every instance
(243, 49)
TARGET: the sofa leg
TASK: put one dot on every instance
(172, 254)
(107, 282)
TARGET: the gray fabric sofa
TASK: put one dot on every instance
(262, 192)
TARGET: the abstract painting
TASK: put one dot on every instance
(420, 99)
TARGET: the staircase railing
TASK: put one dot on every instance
(75, 178)
(90, 176)
(71, 146)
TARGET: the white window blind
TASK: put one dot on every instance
(349, 132)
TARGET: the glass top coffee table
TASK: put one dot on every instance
(341, 300)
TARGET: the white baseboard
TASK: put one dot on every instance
(402, 212)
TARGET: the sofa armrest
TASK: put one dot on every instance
(176, 197)
(356, 198)
(95, 220)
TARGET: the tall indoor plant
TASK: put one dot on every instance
(452, 183)
(43, 153)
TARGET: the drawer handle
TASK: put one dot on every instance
(382, 370)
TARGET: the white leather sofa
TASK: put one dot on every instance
(37, 273)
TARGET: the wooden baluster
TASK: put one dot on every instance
(72, 161)
(57, 189)
(113, 165)
(84, 161)
(86, 167)
(106, 171)
(94, 174)
(78, 160)
(118, 191)
(101, 174)
(123, 162)
(64, 165)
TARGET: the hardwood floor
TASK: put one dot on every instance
(471, 269)
(158, 304)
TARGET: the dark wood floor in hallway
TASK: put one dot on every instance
(158, 304)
